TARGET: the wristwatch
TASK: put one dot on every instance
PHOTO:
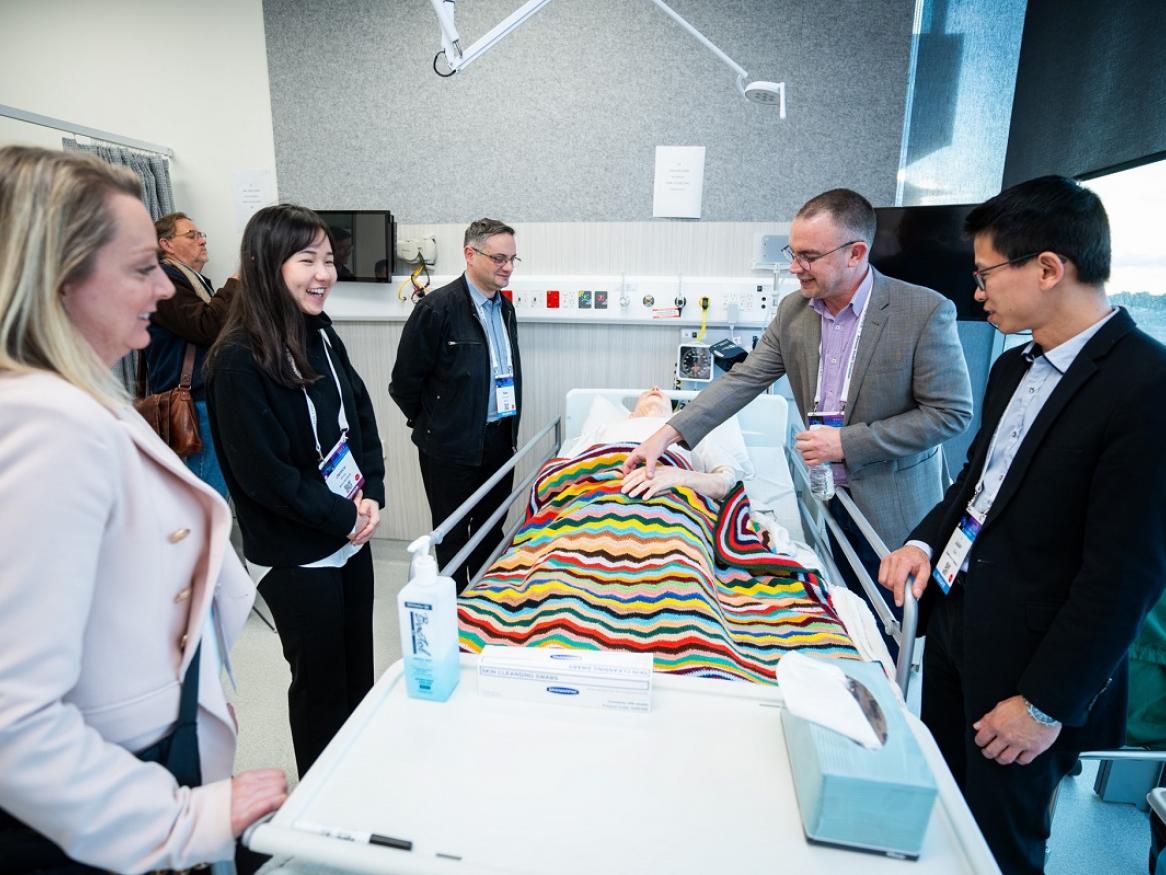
(1040, 716)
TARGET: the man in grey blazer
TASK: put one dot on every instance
(908, 388)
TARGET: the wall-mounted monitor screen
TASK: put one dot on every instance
(926, 246)
(363, 244)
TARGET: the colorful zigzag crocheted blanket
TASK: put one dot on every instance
(678, 575)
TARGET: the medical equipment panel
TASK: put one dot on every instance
(679, 301)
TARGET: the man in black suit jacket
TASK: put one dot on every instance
(1025, 662)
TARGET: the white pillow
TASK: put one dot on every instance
(603, 411)
(727, 438)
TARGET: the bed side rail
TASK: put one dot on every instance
(438, 534)
(817, 521)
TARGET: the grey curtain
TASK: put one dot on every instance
(153, 172)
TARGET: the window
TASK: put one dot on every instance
(1135, 200)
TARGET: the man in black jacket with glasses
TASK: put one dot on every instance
(458, 380)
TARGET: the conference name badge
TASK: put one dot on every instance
(830, 419)
(341, 473)
(953, 556)
(504, 395)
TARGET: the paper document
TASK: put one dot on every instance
(253, 190)
(679, 188)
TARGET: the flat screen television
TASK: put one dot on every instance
(926, 246)
(365, 242)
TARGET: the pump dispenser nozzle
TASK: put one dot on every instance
(422, 566)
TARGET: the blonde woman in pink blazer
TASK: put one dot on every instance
(117, 588)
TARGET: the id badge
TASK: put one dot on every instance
(953, 556)
(830, 419)
(341, 473)
(504, 396)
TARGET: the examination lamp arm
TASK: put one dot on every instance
(675, 16)
(450, 42)
(456, 58)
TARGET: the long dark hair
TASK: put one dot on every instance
(264, 310)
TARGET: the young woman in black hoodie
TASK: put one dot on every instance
(294, 429)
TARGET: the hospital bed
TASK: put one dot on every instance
(541, 594)
(700, 783)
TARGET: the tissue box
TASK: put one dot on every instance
(874, 800)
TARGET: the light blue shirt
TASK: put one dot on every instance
(490, 316)
(1030, 396)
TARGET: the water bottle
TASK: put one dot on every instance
(427, 609)
(822, 478)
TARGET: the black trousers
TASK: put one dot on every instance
(447, 485)
(870, 561)
(1010, 803)
(324, 620)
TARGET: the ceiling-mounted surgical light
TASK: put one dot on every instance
(455, 58)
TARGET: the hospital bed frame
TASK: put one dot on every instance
(394, 741)
(816, 521)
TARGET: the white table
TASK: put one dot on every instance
(701, 784)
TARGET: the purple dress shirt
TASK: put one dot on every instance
(838, 335)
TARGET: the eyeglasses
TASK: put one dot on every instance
(498, 259)
(191, 235)
(806, 260)
(978, 275)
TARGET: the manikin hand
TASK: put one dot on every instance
(639, 483)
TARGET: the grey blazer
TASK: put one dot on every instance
(909, 393)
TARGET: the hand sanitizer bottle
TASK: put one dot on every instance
(427, 608)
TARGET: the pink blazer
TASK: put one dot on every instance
(113, 554)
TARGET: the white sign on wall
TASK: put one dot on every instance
(679, 187)
(253, 190)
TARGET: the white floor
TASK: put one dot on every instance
(1089, 836)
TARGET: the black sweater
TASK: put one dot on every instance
(263, 436)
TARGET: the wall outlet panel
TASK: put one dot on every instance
(749, 301)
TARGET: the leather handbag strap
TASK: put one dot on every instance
(140, 389)
(187, 367)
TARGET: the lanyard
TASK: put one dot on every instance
(849, 364)
(342, 417)
(486, 327)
